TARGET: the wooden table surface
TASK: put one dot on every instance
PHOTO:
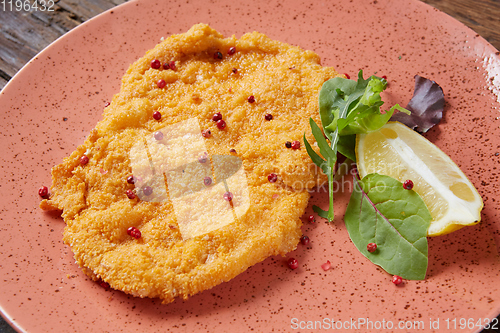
(23, 34)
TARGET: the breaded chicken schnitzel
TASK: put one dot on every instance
(196, 171)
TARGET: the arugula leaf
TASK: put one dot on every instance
(381, 211)
(321, 213)
(324, 148)
(426, 106)
(346, 108)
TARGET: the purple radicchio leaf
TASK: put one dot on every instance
(426, 106)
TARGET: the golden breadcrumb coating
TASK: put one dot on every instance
(192, 239)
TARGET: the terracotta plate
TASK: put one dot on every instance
(51, 105)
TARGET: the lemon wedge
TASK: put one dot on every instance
(397, 151)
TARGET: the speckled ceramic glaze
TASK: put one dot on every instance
(51, 105)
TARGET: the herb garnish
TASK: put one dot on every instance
(346, 108)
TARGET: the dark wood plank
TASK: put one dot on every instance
(482, 16)
(24, 34)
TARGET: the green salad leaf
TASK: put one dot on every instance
(346, 108)
(346, 146)
(381, 211)
(353, 107)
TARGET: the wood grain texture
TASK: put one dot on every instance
(24, 34)
(482, 16)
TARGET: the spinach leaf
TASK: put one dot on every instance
(381, 211)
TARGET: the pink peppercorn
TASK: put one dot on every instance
(268, 117)
(161, 83)
(311, 219)
(408, 184)
(371, 247)
(228, 196)
(272, 177)
(304, 240)
(103, 284)
(293, 263)
(251, 99)
(347, 76)
(221, 124)
(217, 116)
(43, 191)
(217, 55)
(327, 265)
(134, 232)
(157, 115)
(295, 144)
(155, 64)
(206, 133)
(397, 279)
(84, 160)
(203, 158)
(172, 65)
(207, 181)
(130, 194)
(147, 190)
(158, 136)
(231, 51)
(131, 179)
